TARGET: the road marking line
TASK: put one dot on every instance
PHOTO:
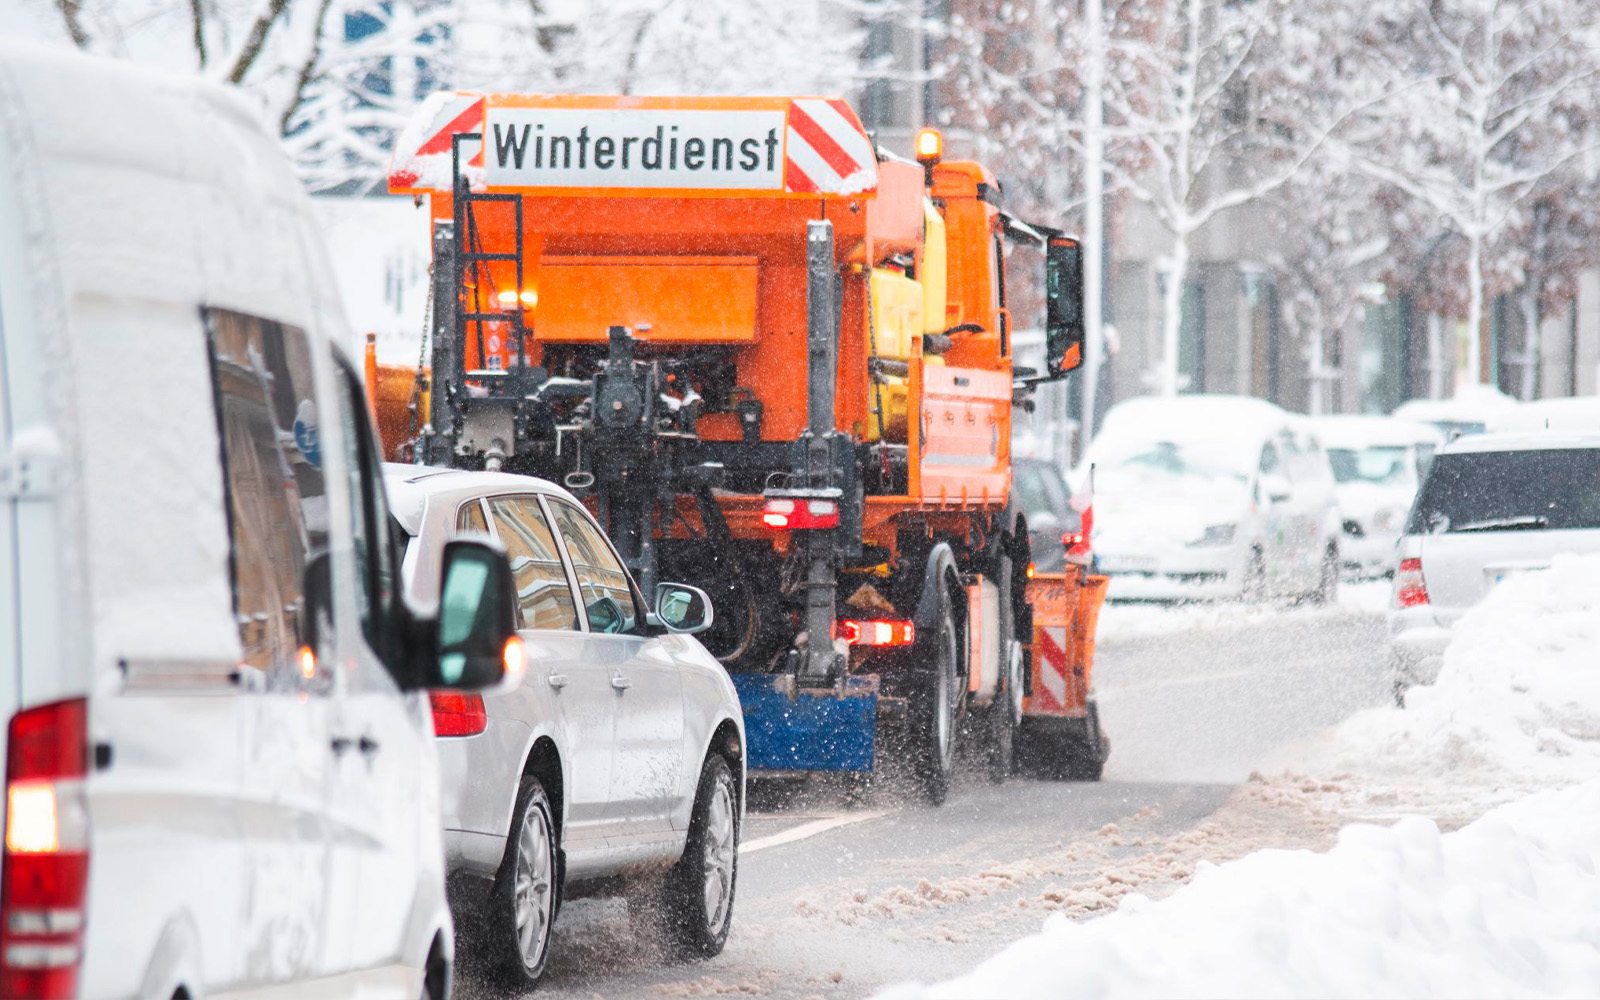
(805, 830)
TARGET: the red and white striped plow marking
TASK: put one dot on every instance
(825, 150)
(1051, 650)
(422, 150)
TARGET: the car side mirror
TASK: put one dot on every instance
(475, 643)
(1063, 327)
(682, 608)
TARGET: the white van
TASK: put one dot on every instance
(220, 773)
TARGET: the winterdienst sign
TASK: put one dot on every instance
(634, 148)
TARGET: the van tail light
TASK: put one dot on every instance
(858, 632)
(456, 713)
(797, 513)
(1410, 589)
(46, 865)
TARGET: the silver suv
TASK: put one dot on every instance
(622, 752)
(1492, 505)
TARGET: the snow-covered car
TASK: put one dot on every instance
(1492, 505)
(1212, 497)
(1472, 410)
(1040, 490)
(220, 775)
(622, 753)
(1377, 464)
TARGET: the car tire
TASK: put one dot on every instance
(932, 710)
(526, 890)
(1253, 589)
(695, 907)
(1328, 577)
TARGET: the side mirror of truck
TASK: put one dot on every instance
(475, 643)
(1063, 328)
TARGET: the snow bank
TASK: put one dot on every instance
(1508, 906)
(1516, 707)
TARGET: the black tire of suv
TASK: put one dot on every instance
(688, 930)
(505, 945)
(932, 710)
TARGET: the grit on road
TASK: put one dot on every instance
(837, 898)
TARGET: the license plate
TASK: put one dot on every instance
(1128, 564)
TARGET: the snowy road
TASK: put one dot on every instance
(836, 900)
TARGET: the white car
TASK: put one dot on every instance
(220, 774)
(622, 753)
(1377, 463)
(1492, 505)
(1202, 497)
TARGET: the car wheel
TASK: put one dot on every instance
(696, 906)
(933, 711)
(1328, 578)
(523, 901)
(1254, 588)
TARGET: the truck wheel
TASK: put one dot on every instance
(1086, 755)
(933, 711)
(1004, 715)
(696, 904)
(523, 902)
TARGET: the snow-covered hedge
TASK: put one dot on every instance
(1507, 906)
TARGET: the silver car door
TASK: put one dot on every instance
(648, 752)
(580, 693)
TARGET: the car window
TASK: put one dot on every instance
(272, 474)
(544, 595)
(375, 547)
(1269, 459)
(608, 594)
(1552, 488)
(469, 518)
(1374, 464)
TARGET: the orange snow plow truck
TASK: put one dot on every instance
(777, 364)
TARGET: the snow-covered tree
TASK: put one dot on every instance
(1490, 111)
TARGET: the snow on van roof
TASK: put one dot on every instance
(1353, 431)
(1570, 413)
(1524, 440)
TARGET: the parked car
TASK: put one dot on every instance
(622, 752)
(1041, 491)
(1472, 410)
(1492, 505)
(1377, 464)
(1212, 497)
(220, 775)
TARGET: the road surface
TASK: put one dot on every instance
(837, 898)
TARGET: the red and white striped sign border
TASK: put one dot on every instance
(825, 150)
(444, 116)
(1052, 653)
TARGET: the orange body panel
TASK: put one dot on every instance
(698, 299)
(1066, 610)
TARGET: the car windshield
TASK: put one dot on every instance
(1172, 459)
(1552, 488)
(1378, 464)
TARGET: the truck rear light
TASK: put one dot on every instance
(1071, 539)
(799, 513)
(457, 713)
(46, 865)
(1410, 589)
(857, 632)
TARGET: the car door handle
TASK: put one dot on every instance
(367, 745)
(620, 682)
(341, 745)
(556, 680)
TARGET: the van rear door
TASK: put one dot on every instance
(8, 538)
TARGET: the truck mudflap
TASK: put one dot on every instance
(1066, 609)
(798, 730)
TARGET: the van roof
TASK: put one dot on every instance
(1523, 441)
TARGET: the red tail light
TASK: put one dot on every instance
(46, 868)
(799, 513)
(457, 714)
(1071, 539)
(877, 633)
(1410, 589)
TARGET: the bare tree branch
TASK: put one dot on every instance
(69, 16)
(256, 40)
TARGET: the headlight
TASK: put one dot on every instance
(1216, 534)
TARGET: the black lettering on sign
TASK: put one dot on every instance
(749, 154)
(583, 146)
(627, 140)
(694, 153)
(772, 148)
(508, 144)
(565, 145)
(650, 152)
(719, 149)
(672, 156)
(605, 152)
